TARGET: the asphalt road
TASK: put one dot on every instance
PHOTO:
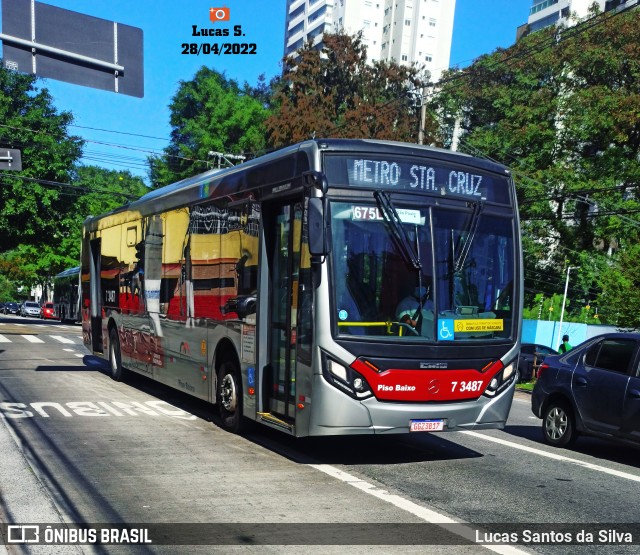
(78, 447)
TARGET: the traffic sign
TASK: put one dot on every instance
(60, 44)
(10, 159)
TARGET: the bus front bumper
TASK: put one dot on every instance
(374, 417)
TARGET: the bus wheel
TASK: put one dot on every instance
(229, 397)
(115, 356)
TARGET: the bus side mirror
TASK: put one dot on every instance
(316, 179)
(317, 227)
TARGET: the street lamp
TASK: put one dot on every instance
(564, 300)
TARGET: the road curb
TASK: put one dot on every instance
(527, 391)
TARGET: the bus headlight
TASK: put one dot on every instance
(501, 380)
(359, 384)
(345, 378)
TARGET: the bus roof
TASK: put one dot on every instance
(285, 164)
(68, 272)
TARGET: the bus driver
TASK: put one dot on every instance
(408, 311)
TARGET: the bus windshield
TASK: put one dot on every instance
(416, 273)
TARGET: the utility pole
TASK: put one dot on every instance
(423, 116)
(564, 300)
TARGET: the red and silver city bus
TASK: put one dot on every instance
(280, 289)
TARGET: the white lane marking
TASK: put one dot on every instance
(555, 456)
(68, 350)
(33, 338)
(4, 339)
(62, 339)
(421, 512)
(79, 355)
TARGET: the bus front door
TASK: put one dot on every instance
(285, 223)
(95, 306)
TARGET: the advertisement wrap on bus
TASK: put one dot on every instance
(334, 287)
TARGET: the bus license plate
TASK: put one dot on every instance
(426, 425)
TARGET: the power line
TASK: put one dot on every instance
(77, 188)
(121, 132)
(568, 195)
(154, 152)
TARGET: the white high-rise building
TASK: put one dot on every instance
(405, 31)
(544, 13)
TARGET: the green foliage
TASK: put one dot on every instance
(8, 289)
(336, 93)
(620, 297)
(102, 190)
(93, 191)
(546, 308)
(33, 208)
(560, 108)
(550, 308)
(30, 209)
(210, 113)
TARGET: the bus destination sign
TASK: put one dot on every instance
(404, 174)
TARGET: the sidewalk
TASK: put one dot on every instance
(23, 498)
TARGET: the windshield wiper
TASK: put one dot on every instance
(397, 232)
(400, 239)
(470, 233)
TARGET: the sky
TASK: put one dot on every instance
(121, 131)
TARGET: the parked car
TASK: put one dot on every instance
(30, 308)
(531, 356)
(594, 389)
(47, 311)
(11, 308)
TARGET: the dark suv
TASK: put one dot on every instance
(594, 389)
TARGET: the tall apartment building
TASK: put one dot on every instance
(544, 13)
(405, 31)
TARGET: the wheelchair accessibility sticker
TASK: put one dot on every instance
(445, 329)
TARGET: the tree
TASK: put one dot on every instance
(93, 191)
(8, 290)
(620, 282)
(101, 190)
(336, 93)
(560, 108)
(210, 113)
(30, 206)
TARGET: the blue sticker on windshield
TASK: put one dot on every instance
(445, 329)
(251, 376)
(343, 314)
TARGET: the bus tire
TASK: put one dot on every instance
(229, 397)
(115, 356)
